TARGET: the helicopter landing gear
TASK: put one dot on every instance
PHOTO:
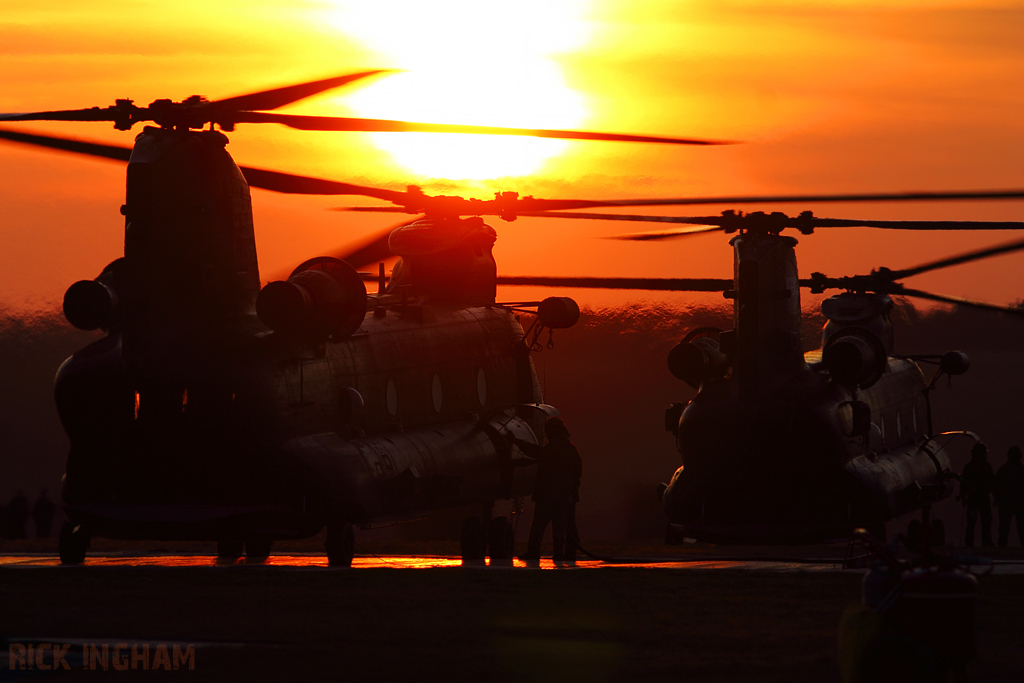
(501, 539)
(230, 550)
(926, 532)
(340, 544)
(474, 539)
(73, 543)
(257, 549)
(917, 529)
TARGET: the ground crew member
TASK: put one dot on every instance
(975, 487)
(556, 492)
(1010, 495)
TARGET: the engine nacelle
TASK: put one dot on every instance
(854, 356)
(954, 363)
(698, 357)
(324, 298)
(94, 304)
(558, 312)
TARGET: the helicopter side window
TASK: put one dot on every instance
(481, 386)
(437, 393)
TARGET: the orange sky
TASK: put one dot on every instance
(829, 97)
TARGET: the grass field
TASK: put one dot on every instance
(473, 624)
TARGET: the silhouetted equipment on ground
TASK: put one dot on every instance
(214, 409)
(916, 620)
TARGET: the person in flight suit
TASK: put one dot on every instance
(1010, 495)
(976, 484)
(556, 493)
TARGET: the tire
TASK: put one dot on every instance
(340, 544)
(473, 540)
(501, 539)
(230, 550)
(258, 549)
(73, 543)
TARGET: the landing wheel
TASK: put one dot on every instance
(230, 550)
(258, 549)
(73, 542)
(501, 539)
(474, 539)
(340, 544)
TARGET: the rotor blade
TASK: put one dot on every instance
(92, 114)
(918, 225)
(582, 215)
(374, 209)
(903, 291)
(563, 204)
(641, 283)
(95, 149)
(274, 181)
(962, 258)
(668, 234)
(288, 183)
(589, 215)
(372, 249)
(278, 97)
(341, 123)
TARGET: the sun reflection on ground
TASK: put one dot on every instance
(318, 561)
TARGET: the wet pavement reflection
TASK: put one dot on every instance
(299, 561)
(315, 561)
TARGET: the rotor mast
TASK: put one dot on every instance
(765, 340)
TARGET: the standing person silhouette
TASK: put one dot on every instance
(556, 492)
(975, 488)
(1009, 490)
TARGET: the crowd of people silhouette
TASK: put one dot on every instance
(981, 489)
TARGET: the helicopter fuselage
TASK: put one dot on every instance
(779, 446)
(208, 413)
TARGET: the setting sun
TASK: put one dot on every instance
(468, 62)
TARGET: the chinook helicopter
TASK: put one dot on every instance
(782, 446)
(259, 415)
(215, 410)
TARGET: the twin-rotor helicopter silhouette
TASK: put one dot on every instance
(213, 409)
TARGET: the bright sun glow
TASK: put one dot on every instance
(472, 62)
